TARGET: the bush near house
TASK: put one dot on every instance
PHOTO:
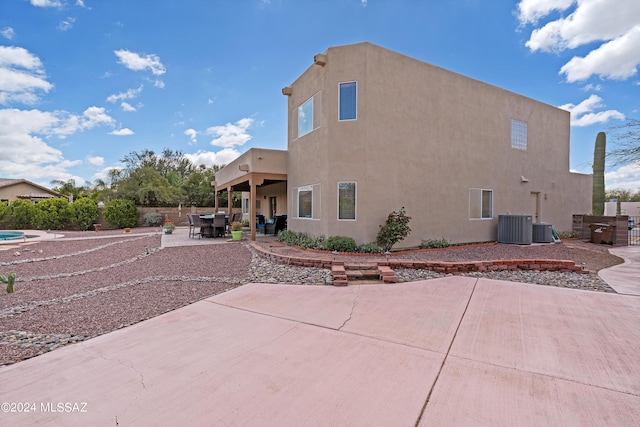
(395, 229)
(341, 244)
(121, 213)
(435, 244)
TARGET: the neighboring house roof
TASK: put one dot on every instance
(39, 193)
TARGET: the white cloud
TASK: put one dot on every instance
(46, 3)
(96, 160)
(209, 158)
(615, 23)
(159, 84)
(22, 76)
(591, 87)
(67, 24)
(135, 62)
(7, 33)
(192, 134)
(364, 3)
(583, 113)
(127, 107)
(80, 3)
(25, 152)
(121, 132)
(625, 178)
(129, 94)
(230, 135)
(616, 60)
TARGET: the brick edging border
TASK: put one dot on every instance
(437, 266)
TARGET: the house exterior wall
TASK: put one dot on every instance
(11, 192)
(422, 138)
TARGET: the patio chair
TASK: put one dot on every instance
(195, 223)
(219, 225)
(276, 224)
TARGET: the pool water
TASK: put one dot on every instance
(11, 235)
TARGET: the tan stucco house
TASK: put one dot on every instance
(14, 189)
(371, 130)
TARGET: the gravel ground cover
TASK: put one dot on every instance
(74, 288)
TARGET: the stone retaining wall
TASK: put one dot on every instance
(438, 266)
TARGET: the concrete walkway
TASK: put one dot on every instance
(624, 278)
(450, 351)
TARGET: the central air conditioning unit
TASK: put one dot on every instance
(515, 229)
(542, 233)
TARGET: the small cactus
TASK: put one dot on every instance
(9, 280)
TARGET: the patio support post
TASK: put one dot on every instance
(252, 208)
(217, 201)
(229, 202)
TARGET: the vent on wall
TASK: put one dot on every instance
(516, 229)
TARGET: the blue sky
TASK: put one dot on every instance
(85, 82)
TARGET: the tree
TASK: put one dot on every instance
(599, 152)
(147, 187)
(627, 140)
(120, 213)
(69, 188)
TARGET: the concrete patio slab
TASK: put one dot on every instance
(470, 393)
(588, 337)
(451, 351)
(382, 312)
(624, 278)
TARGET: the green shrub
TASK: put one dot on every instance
(84, 213)
(4, 215)
(369, 248)
(395, 229)
(434, 243)
(341, 244)
(154, 219)
(121, 213)
(301, 239)
(21, 213)
(52, 214)
(568, 234)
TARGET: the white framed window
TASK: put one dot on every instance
(245, 206)
(305, 117)
(305, 202)
(348, 101)
(518, 134)
(480, 203)
(346, 201)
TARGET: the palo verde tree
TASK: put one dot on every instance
(599, 153)
(626, 140)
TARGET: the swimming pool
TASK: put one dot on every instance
(11, 235)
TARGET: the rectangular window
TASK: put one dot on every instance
(347, 200)
(245, 206)
(480, 203)
(348, 101)
(305, 202)
(518, 134)
(305, 117)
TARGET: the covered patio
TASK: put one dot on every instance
(254, 171)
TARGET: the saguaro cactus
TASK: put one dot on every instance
(597, 198)
(9, 280)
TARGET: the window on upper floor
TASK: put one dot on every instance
(305, 117)
(480, 203)
(518, 134)
(348, 108)
(347, 200)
